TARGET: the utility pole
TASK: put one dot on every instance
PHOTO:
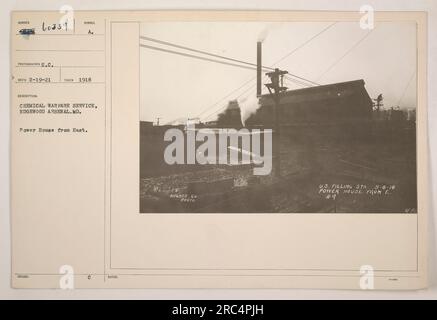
(275, 87)
(378, 102)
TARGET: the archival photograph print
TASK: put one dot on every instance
(278, 117)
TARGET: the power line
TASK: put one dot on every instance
(305, 43)
(225, 106)
(300, 78)
(223, 57)
(278, 61)
(330, 67)
(226, 96)
(236, 98)
(250, 80)
(196, 57)
(406, 88)
(344, 55)
(201, 52)
(252, 87)
(302, 84)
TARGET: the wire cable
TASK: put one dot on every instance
(344, 55)
(196, 57)
(223, 57)
(201, 52)
(250, 80)
(406, 88)
(305, 43)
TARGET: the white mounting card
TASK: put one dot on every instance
(221, 149)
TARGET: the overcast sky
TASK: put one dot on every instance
(174, 86)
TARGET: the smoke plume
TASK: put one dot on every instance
(248, 106)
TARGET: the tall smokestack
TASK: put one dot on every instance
(258, 68)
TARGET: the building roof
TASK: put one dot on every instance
(323, 92)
